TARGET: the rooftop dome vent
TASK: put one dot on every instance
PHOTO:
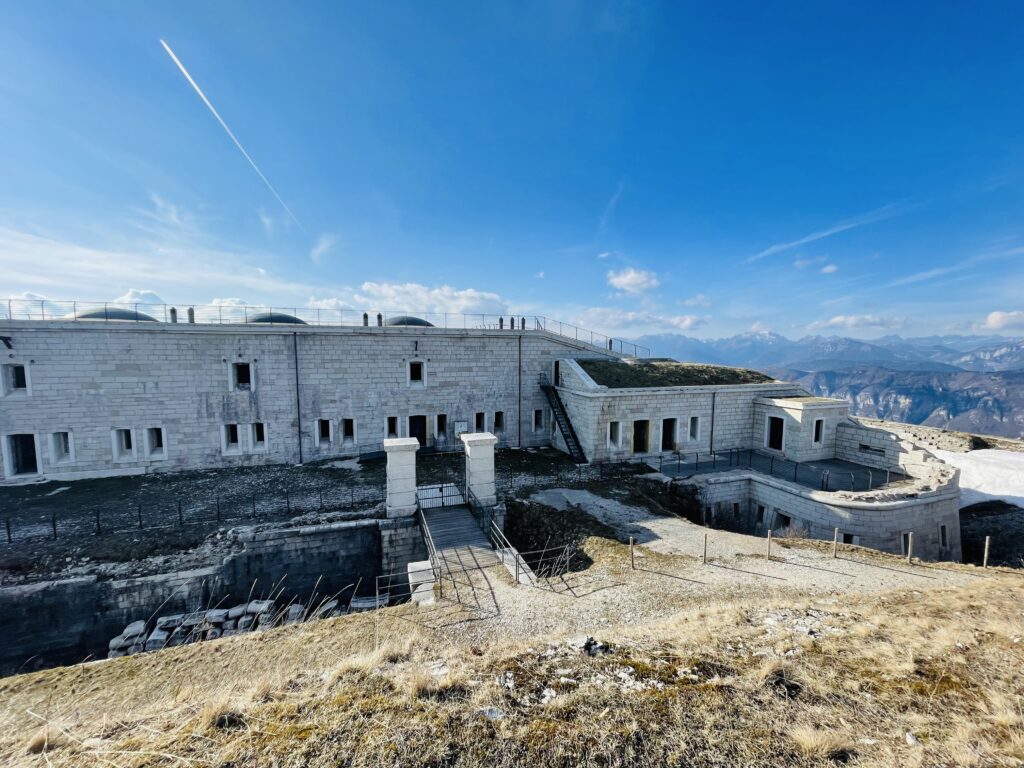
(276, 318)
(408, 320)
(115, 313)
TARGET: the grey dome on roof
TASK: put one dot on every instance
(275, 317)
(408, 320)
(115, 313)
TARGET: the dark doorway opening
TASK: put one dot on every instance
(668, 434)
(641, 436)
(558, 381)
(23, 454)
(775, 428)
(418, 428)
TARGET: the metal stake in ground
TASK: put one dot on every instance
(704, 558)
(910, 547)
(768, 551)
(632, 561)
(835, 544)
(984, 561)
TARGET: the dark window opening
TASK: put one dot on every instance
(905, 542)
(775, 429)
(231, 433)
(418, 428)
(641, 436)
(23, 454)
(499, 421)
(155, 440)
(782, 521)
(538, 420)
(819, 426)
(324, 427)
(62, 446)
(243, 376)
(416, 371)
(736, 508)
(442, 424)
(348, 429)
(259, 433)
(126, 438)
(848, 538)
(760, 514)
(869, 449)
(613, 434)
(668, 434)
(943, 541)
(392, 426)
(480, 422)
(695, 427)
(17, 377)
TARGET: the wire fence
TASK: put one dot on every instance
(221, 314)
(146, 513)
(815, 475)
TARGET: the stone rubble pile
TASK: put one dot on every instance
(185, 628)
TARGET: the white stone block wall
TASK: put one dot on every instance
(89, 378)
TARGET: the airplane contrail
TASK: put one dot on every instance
(224, 125)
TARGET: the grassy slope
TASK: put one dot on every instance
(717, 685)
(658, 374)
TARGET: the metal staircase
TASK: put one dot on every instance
(572, 443)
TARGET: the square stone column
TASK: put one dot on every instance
(480, 466)
(401, 451)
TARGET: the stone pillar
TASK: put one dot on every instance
(480, 465)
(401, 453)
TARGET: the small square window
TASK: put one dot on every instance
(480, 419)
(155, 448)
(538, 420)
(15, 379)
(259, 436)
(392, 426)
(61, 448)
(416, 372)
(499, 421)
(348, 430)
(242, 376)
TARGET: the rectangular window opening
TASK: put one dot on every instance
(538, 420)
(776, 427)
(442, 425)
(479, 425)
(819, 428)
(22, 452)
(904, 543)
(123, 444)
(416, 372)
(641, 436)
(943, 540)
(259, 436)
(760, 514)
(695, 428)
(870, 449)
(15, 379)
(849, 538)
(499, 421)
(614, 434)
(392, 426)
(348, 430)
(323, 432)
(242, 376)
(155, 442)
(231, 441)
(60, 443)
(668, 434)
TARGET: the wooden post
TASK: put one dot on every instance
(910, 547)
(984, 561)
(835, 544)
(704, 559)
(632, 560)
(768, 551)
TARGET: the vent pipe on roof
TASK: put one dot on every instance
(174, 315)
(366, 319)
(191, 314)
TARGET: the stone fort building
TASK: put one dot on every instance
(114, 391)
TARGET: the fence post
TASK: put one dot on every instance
(321, 490)
(984, 561)
(704, 558)
(97, 522)
(632, 561)
(768, 551)
(835, 544)
(53, 521)
(181, 520)
(138, 508)
(218, 509)
(910, 547)
(869, 480)
(8, 530)
(796, 466)
(287, 502)
(254, 505)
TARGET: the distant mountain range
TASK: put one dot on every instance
(968, 383)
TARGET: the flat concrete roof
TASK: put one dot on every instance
(801, 401)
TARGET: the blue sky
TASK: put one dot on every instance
(700, 168)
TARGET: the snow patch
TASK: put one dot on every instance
(988, 474)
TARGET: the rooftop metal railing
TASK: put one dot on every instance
(233, 314)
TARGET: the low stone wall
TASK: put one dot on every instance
(65, 621)
(876, 519)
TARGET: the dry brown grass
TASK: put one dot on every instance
(714, 686)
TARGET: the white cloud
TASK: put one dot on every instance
(700, 300)
(1001, 321)
(633, 281)
(606, 254)
(267, 221)
(879, 214)
(621, 322)
(829, 269)
(229, 302)
(850, 322)
(760, 327)
(539, 275)
(324, 244)
(137, 296)
(414, 297)
(328, 303)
